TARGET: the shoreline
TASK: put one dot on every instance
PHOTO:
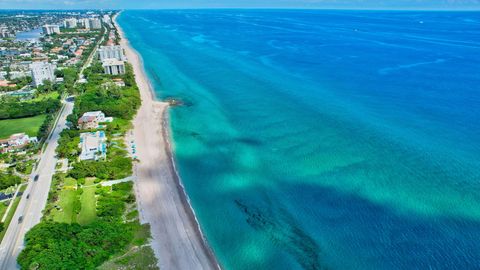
(196, 252)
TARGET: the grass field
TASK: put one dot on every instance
(88, 200)
(10, 216)
(29, 125)
(3, 208)
(45, 96)
(67, 198)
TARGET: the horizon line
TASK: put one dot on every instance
(247, 8)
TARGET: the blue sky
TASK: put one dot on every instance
(157, 4)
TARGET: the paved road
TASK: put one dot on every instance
(31, 209)
(90, 57)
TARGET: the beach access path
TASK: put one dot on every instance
(177, 240)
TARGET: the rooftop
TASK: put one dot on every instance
(112, 62)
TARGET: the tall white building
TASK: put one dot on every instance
(5, 33)
(113, 66)
(107, 19)
(85, 22)
(42, 71)
(95, 23)
(70, 23)
(51, 29)
(109, 52)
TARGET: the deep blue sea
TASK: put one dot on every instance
(324, 139)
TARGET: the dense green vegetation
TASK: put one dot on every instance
(11, 108)
(72, 246)
(86, 224)
(117, 168)
(44, 129)
(8, 180)
(113, 101)
(54, 245)
(70, 76)
(30, 125)
(68, 144)
(25, 166)
(3, 209)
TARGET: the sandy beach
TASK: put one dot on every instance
(177, 241)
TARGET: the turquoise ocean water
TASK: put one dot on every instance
(324, 139)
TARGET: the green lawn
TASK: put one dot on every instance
(10, 216)
(89, 202)
(66, 200)
(41, 97)
(29, 125)
(3, 208)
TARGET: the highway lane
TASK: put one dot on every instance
(31, 209)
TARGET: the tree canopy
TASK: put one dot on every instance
(8, 180)
(71, 246)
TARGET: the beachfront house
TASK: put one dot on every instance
(91, 120)
(93, 145)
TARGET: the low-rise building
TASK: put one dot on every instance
(72, 62)
(93, 145)
(19, 74)
(23, 94)
(21, 66)
(56, 50)
(91, 120)
(113, 67)
(42, 71)
(16, 142)
(6, 83)
(9, 52)
(119, 82)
